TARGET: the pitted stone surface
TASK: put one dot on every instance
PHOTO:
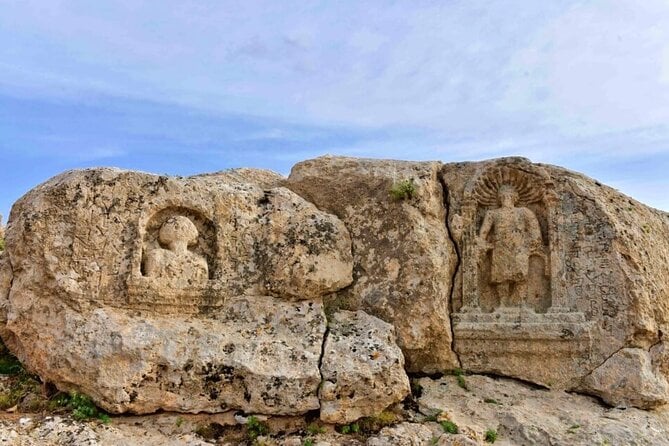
(403, 257)
(503, 266)
(362, 368)
(181, 294)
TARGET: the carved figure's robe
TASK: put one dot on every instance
(512, 232)
(176, 269)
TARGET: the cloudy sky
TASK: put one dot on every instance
(183, 87)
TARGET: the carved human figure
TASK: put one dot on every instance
(513, 235)
(176, 265)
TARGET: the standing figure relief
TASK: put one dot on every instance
(512, 234)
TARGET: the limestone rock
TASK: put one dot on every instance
(183, 294)
(406, 434)
(362, 368)
(630, 368)
(557, 273)
(524, 415)
(403, 257)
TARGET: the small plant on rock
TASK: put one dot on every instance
(449, 427)
(83, 408)
(402, 190)
(352, 428)
(315, 429)
(490, 436)
(255, 428)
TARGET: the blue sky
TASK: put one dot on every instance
(185, 87)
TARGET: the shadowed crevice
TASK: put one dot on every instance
(458, 260)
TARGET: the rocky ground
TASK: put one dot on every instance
(451, 410)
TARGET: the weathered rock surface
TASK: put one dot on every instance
(151, 292)
(362, 368)
(524, 415)
(406, 434)
(629, 378)
(403, 257)
(557, 274)
(184, 294)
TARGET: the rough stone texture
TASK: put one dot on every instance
(362, 368)
(403, 257)
(525, 415)
(547, 275)
(629, 369)
(406, 434)
(186, 294)
(557, 274)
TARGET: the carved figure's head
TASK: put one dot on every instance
(178, 229)
(507, 196)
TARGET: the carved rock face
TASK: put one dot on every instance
(186, 294)
(210, 292)
(553, 283)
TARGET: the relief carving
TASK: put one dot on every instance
(511, 306)
(508, 237)
(175, 264)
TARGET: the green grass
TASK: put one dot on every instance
(352, 428)
(315, 429)
(83, 408)
(449, 427)
(405, 189)
(308, 442)
(490, 436)
(255, 428)
(491, 401)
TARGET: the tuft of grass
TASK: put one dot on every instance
(449, 427)
(573, 428)
(2, 244)
(460, 377)
(83, 408)
(434, 416)
(255, 428)
(308, 442)
(315, 429)
(352, 428)
(491, 401)
(402, 190)
(490, 436)
(179, 421)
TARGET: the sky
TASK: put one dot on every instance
(183, 87)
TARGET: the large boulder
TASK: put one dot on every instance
(562, 282)
(403, 257)
(362, 368)
(184, 294)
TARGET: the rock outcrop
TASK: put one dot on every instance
(558, 275)
(214, 292)
(403, 257)
(181, 294)
(362, 368)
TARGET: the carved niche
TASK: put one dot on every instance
(175, 264)
(510, 247)
(513, 312)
